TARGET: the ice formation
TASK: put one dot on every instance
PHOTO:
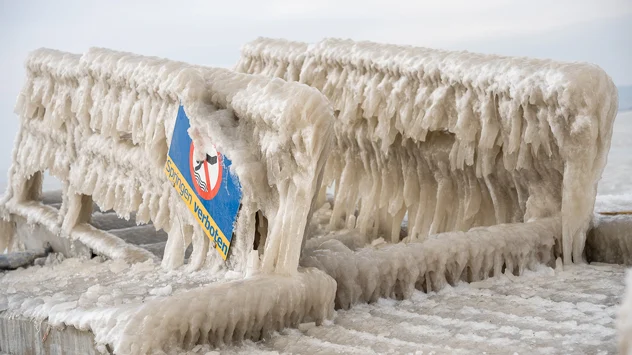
(142, 309)
(546, 311)
(493, 160)
(200, 316)
(453, 139)
(101, 122)
(366, 273)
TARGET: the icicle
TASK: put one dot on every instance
(516, 137)
(103, 122)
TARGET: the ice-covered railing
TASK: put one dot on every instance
(364, 273)
(454, 139)
(102, 122)
(276, 57)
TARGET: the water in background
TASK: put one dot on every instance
(617, 177)
(625, 98)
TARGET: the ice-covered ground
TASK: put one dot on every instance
(570, 311)
(93, 283)
(550, 311)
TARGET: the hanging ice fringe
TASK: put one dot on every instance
(454, 140)
(102, 122)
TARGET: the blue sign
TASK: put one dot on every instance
(206, 186)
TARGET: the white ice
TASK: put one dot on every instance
(440, 136)
(177, 309)
(453, 139)
(101, 122)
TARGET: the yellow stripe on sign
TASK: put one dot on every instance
(194, 205)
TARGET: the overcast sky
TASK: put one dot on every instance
(212, 32)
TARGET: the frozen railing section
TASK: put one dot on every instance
(216, 314)
(453, 140)
(44, 104)
(102, 123)
(274, 57)
(364, 273)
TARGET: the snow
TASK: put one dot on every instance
(453, 139)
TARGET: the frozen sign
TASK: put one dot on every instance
(210, 192)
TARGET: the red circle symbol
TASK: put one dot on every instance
(206, 174)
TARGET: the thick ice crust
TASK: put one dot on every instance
(454, 139)
(566, 310)
(215, 314)
(101, 123)
(276, 58)
(395, 270)
(141, 309)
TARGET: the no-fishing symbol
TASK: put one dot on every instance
(211, 195)
(207, 173)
